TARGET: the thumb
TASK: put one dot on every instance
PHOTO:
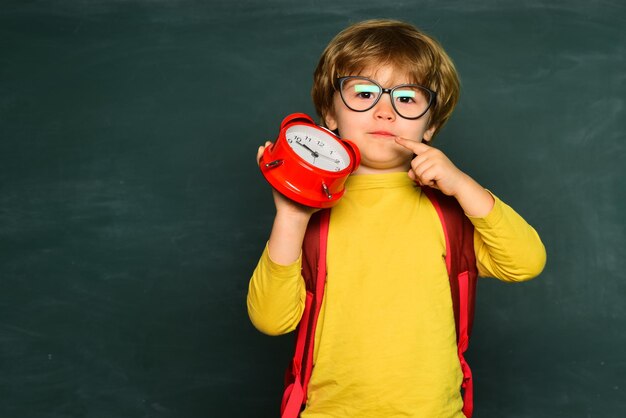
(261, 150)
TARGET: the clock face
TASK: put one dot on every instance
(318, 148)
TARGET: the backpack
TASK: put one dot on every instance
(462, 272)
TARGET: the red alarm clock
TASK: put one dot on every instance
(308, 163)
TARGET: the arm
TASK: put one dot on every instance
(506, 246)
(277, 292)
(289, 226)
(276, 296)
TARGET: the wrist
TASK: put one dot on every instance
(463, 184)
(293, 216)
(475, 200)
(287, 235)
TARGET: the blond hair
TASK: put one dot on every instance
(387, 42)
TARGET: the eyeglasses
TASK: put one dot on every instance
(410, 101)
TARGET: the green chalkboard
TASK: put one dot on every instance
(132, 212)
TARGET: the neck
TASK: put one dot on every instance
(373, 170)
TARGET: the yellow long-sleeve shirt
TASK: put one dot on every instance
(385, 343)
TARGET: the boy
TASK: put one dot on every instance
(385, 342)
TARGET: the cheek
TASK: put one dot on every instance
(348, 131)
(351, 123)
(417, 133)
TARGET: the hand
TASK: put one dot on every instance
(290, 223)
(432, 168)
(284, 205)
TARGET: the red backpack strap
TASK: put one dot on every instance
(463, 274)
(314, 273)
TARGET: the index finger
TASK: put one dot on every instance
(415, 146)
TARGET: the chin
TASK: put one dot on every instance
(391, 162)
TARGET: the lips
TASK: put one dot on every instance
(383, 133)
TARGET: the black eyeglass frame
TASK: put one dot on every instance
(431, 102)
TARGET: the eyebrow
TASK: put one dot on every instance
(404, 93)
(365, 88)
(368, 88)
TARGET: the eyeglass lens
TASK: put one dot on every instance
(360, 94)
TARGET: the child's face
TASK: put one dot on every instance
(373, 131)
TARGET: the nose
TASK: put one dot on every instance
(384, 110)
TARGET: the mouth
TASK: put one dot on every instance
(384, 134)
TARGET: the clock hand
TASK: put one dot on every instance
(336, 161)
(313, 153)
(316, 154)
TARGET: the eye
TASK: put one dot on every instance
(404, 96)
(366, 91)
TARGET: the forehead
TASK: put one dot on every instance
(387, 74)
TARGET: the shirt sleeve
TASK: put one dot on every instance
(276, 296)
(506, 246)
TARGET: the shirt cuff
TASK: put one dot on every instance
(281, 270)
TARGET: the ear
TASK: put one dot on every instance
(428, 134)
(330, 120)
